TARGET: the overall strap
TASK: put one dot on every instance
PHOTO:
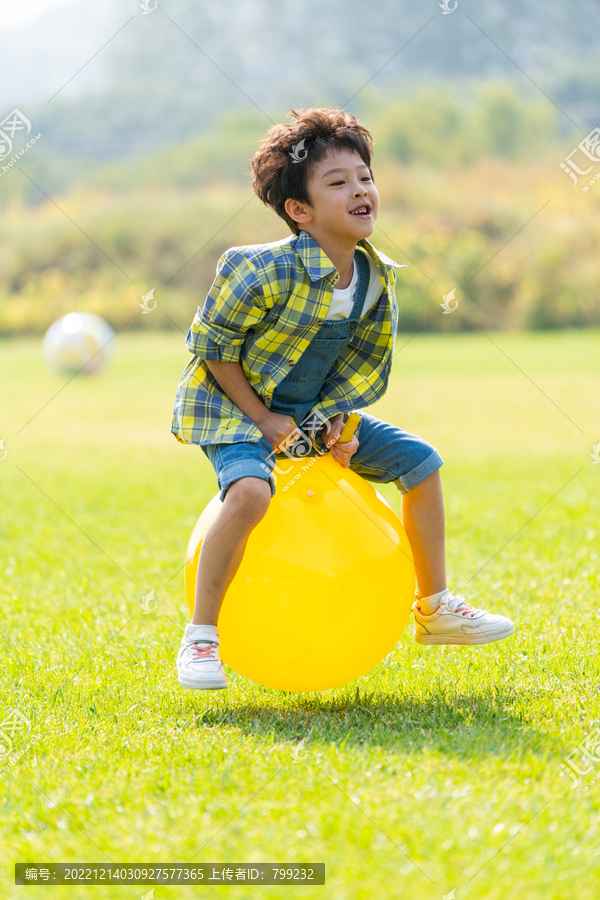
(364, 277)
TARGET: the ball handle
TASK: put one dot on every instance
(349, 427)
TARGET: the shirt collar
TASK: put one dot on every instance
(318, 265)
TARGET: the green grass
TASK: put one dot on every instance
(439, 769)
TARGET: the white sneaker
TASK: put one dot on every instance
(455, 622)
(199, 666)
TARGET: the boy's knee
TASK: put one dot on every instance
(252, 492)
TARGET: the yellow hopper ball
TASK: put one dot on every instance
(325, 586)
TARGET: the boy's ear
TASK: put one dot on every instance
(297, 211)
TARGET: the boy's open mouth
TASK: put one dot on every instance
(361, 212)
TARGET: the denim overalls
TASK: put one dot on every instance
(298, 392)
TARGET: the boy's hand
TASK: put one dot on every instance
(342, 452)
(278, 430)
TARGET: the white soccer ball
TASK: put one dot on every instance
(78, 342)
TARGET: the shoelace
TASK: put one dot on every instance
(462, 608)
(207, 652)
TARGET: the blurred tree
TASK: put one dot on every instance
(508, 126)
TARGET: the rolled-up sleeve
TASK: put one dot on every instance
(235, 303)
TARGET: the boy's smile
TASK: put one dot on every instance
(363, 211)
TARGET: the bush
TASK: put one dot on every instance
(458, 186)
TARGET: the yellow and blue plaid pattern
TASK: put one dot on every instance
(265, 305)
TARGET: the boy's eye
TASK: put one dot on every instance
(336, 183)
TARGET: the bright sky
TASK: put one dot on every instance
(14, 14)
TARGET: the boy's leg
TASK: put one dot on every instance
(246, 489)
(387, 453)
(424, 522)
(246, 502)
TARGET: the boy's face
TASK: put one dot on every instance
(339, 187)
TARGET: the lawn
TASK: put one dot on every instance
(439, 770)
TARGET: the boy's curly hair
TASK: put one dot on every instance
(280, 169)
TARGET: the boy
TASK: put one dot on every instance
(304, 326)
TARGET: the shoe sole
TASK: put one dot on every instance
(205, 686)
(477, 638)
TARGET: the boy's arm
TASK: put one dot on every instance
(235, 303)
(276, 428)
(231, 379)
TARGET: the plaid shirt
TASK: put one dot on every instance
(263, 309)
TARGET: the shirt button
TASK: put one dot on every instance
(320, 322)
(291, 362)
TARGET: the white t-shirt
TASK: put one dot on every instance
(342, 301)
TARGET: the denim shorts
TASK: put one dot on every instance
(385, 453)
